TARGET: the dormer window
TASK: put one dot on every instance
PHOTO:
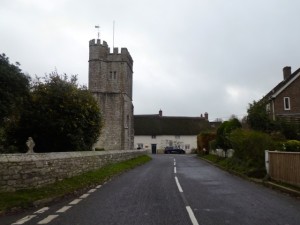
(287, 103)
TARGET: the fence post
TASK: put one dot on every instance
(267, 161)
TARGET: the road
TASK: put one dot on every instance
(170, 190)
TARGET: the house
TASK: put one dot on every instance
(155, 132)
(283, 101)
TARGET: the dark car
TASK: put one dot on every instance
(171, 150)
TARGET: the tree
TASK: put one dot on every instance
(14, 90)
(61, 117)
(224, 131)
(258, 117)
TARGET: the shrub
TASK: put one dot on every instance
(60, 117)
(224, 131)
(249, 146)
(203, 140)
(292, 146)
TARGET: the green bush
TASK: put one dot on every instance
(203, 140)
(60, 116)
(249, 147)
(224, 131)
(292, 146)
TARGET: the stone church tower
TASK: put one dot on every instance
(110, 81)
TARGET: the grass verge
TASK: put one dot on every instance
(21, 199)
(236, 166)
(253, 174)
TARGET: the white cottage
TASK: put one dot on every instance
(155, 132)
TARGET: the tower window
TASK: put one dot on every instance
(115, 74)
(110, 74)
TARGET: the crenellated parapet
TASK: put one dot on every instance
(101, 51)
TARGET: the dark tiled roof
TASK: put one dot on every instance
(281, 84)
(167, 125)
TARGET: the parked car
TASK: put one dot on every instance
(171, 150)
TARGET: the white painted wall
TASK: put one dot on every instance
(182, 141)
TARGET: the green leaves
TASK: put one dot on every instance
(60, 116)
(14, 90)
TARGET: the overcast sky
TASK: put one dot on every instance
(190, 57)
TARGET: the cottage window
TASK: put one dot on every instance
(286, 102)
(187, 147)
(153, 136)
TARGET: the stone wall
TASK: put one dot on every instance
(22, 171)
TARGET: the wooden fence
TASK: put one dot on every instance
(285, 167)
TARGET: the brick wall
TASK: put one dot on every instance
(21, 171)
(293, 91)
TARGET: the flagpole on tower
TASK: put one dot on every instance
(113, 34)
(97, 26)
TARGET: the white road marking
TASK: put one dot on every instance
(92, 190)
(175, 170)
(48, 219)
(178, 185)
(84, 196)
(63, 209)
(192, 215)
(76, 201)
(24, 220)
(42, 210)
(99, 186)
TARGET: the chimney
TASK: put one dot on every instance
(206, 115)
(287, 71)
(160, 112)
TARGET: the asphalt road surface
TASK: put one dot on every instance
(170, 190)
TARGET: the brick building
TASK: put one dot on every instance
(110, 81)
(283, 101)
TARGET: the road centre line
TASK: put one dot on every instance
(188, 208)
(24, 220)
(192, 215)
(178, 184)
(48, 219)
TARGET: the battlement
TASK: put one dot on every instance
(94, 42)
(100, 50)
